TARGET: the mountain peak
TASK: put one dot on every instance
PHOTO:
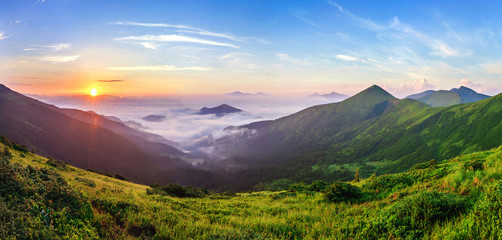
(371, 95)
(463, 89)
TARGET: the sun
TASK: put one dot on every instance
(94, 92)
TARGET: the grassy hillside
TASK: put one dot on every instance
(460, 198)
(371, 131)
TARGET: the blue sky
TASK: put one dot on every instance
(279, 47)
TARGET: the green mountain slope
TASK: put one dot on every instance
(371, 131)
(454, 96)
(456, 199)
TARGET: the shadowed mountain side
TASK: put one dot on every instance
(371, 131)
(91, 142)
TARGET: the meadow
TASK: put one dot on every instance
(460, 198)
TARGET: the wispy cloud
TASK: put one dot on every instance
(54, 47)
(438, 47)
(303, 16)
(149, 45)
(287, 58)
(110, 81)
(2, 36)
(369, 61)
(183, 29)
(366, 23)
(160, 68)
(175, 38)
(59, 59)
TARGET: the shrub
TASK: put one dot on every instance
(87, 182)
(120, 177)
(176, 190)
(412, 216)
(57, 164)
(342, 192)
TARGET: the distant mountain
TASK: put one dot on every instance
(244, 94)
(85, 139)
(371, 131)
(154, 118)
(330, 96)
(219, 110)
(443, 98)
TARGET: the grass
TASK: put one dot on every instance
(460, 198)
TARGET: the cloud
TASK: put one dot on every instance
(475, 86)
(303, 15)
(2, 36)
(183, 29)
(160, 68)
(110, 81)
(285, 57)
(438, 47)
(348, 58)
(59, 59)
(54, 47)
(366, 23)
(149, 45)
(363, 60)
(175, 38)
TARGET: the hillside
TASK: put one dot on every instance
(371, 131)
(444, 98)
(456, 199)
(85, 139)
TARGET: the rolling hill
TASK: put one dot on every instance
(454, 96)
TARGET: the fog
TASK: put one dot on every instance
(182, 124)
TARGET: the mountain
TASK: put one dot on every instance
(330, 96)
(244, 94)
(371, 131)
(154, 118)
(85, 139)
(219, 111)
(443, 98)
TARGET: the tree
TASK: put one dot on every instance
(356, 176)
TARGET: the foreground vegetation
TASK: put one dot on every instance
(457, 199)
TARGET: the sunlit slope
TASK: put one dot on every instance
(459, 198)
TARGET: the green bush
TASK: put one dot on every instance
(39, 204)
(413, 216)
(342, 192)
(85, 181)
(176, 190)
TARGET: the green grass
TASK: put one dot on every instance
(460, 198)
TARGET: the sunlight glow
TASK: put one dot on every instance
(94, 92)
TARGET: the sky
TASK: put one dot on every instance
(140, 48)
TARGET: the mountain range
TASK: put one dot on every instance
(443, 98)
(244, 94)
(371, 131)
(330, 96)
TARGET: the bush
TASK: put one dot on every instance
(57, 164)
(412, 216)
(87, 182)
(176, 190)
(120, 177)
(342, 192)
